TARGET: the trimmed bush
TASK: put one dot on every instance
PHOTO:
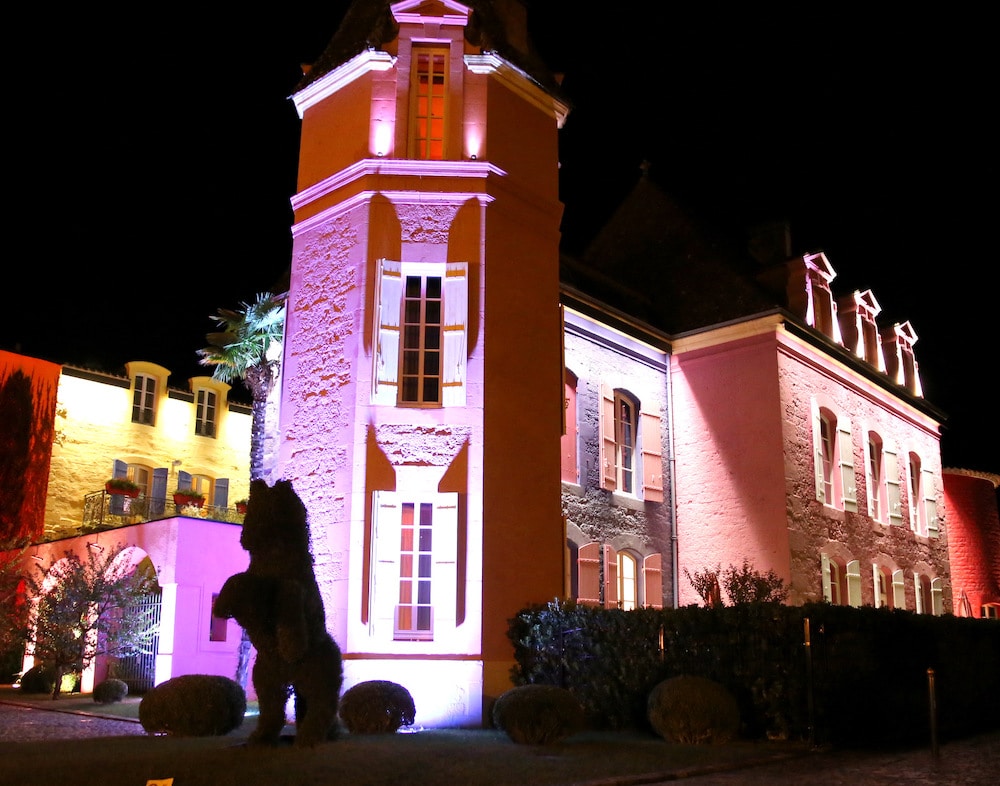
(693, 710)
(38, 679)
(193, 705)
(376, 707)
(538, 714)
(110, 691)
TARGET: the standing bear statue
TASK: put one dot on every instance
(277, 601)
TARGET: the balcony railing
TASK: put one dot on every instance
(103, 511)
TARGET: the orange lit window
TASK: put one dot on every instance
(429, 90)
(413, 611)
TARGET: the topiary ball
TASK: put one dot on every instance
(538, 714)
(38, 679)
(693, 710)
(110, 691)
(376, 707)
(194, 705)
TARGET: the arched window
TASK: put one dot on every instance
(628, 581)
(834, 459)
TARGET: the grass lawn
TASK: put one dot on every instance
(437, 757)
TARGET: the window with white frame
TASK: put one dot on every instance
(144, 400)
(880, 583)
(921, 593)
(414, 562)
(898, 589)
(834, 459)
(922, 499)
(875, 476)
(841, 581)
(631, 446)
(205, 412)
(420, 314)
(616, 579)
(429, 102)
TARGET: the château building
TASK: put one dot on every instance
(477, 422)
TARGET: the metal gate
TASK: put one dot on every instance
(138, 670)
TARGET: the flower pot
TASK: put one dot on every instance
(241, 508)
(184, 499)
(121, 492)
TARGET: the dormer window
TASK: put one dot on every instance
(144, 400)
(860, 329)
(901, 364)
(205, 413)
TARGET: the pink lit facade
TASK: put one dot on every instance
(974, 533)
(793, 454)
(419, 416)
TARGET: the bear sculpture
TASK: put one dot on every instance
(278, 603)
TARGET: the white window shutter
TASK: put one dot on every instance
(918, 600)
(845, 450)
(387, 305)
(610, 578)
(609, 452)
(652, 581)
(854, 583)
(869, 480)
(930, 503)
(384, 586)
(875, 577)
(894, 500)
(588, 561)
(818, 452)
(825, 567)
(652, 457)
(456, 320)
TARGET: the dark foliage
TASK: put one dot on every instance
(538, 714)
(110, 691)
(376, 707)
(193, 705)
(857, 659)
(693, 710)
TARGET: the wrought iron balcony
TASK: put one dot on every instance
(103, 511)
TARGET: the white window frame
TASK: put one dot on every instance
(387, 308)
(644, 448)
(144, 393)
(206, 412)
(833, 449)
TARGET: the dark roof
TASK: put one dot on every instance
(369, 24)
(670, 266)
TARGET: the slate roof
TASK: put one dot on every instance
(369, 24)
(666, 264)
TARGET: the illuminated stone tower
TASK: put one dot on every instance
(422, 389)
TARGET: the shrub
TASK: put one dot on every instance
(376, 707)
(538, 714)
(693, 710)
(38, 679)
(110, 691)
(194, 705)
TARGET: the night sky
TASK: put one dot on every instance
(153, 157)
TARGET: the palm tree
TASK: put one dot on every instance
(248, 348)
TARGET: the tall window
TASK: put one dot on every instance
(828, 441)
(625, 430)
(630, 446)
(878, 462)
(420, 312)
(205, 403)
(628, 581)
(420, 376)
(414, 610)
(144, 400)
(429, 90)
(841, 581)
(834, 459)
